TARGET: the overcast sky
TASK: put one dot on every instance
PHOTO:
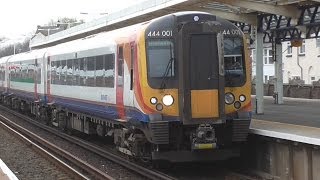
(18, 17)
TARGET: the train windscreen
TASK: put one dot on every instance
(160, 56)
(234, 61)
(161, 63)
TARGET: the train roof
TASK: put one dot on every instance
(96, 44)
(30, 55)
(4, 59)
(95, 41)
(190, 15)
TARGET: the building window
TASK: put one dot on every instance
(289, 49)
(267, 56)
(302, 49)
(265, 79)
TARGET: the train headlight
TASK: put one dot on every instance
(167, 100)
(153, 100)
(229, 98)
(242, 98)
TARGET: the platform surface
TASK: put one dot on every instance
(305, 112)
(6, 173)
(296, 120)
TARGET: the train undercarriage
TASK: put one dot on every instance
(157, 140)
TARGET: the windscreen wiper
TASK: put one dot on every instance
(168, 68)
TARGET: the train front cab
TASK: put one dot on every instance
(201, 106)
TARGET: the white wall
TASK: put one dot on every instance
(307, 56)
(309, 62)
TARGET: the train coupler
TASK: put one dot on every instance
(204, 138)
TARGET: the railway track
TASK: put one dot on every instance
(78, 168)
(143, 171)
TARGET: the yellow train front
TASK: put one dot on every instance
(194, 76)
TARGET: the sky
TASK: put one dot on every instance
(21, 17)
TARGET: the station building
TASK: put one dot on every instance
(301, 65)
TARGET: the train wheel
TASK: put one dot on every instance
(101, 130)
(44, 115)
(62, 119)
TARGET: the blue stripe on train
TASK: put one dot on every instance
(106, 111)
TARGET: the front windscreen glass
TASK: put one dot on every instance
(234, 61)
(160, 58)
(161, 63)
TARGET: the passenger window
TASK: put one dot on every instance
(109, 70)
(38, 66)
(82, 72)
(90, 71)
(63, 72)
(120, 67)
(76, 74)
(100, 71)
(58, 72)
(69, 72)
(53, 71)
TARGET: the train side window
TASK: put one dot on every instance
(76, 74)
(38, 68)
(24, 67)
(12, 72)
(31, 68)
(109, 70)
(63, 72)
(120, 61)
(1, 73)
(99, 74)
(53, 71)
(120, 67)
(58, 72)
(82, 72)
(90, 71)
(69, 74)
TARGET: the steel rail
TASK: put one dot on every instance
(24, 134)
(52, 158)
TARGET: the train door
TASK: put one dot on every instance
(132, 65)
(201, 87)
(120, 82)
(35, 75)
(47, 84)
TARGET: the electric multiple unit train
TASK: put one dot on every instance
(174, 88)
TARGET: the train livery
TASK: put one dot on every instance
(175, 88)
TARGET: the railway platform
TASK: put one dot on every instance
(296, 120)
(296, 111)
(285, 140)
(6, 173)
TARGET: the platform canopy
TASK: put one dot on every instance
(277, 19)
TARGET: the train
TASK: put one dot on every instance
(175, 88)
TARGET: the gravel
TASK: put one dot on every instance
(24, 162)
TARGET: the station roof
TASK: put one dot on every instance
(279, 20)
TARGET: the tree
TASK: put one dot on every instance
(17, 47)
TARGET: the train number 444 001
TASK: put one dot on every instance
(165, 33)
